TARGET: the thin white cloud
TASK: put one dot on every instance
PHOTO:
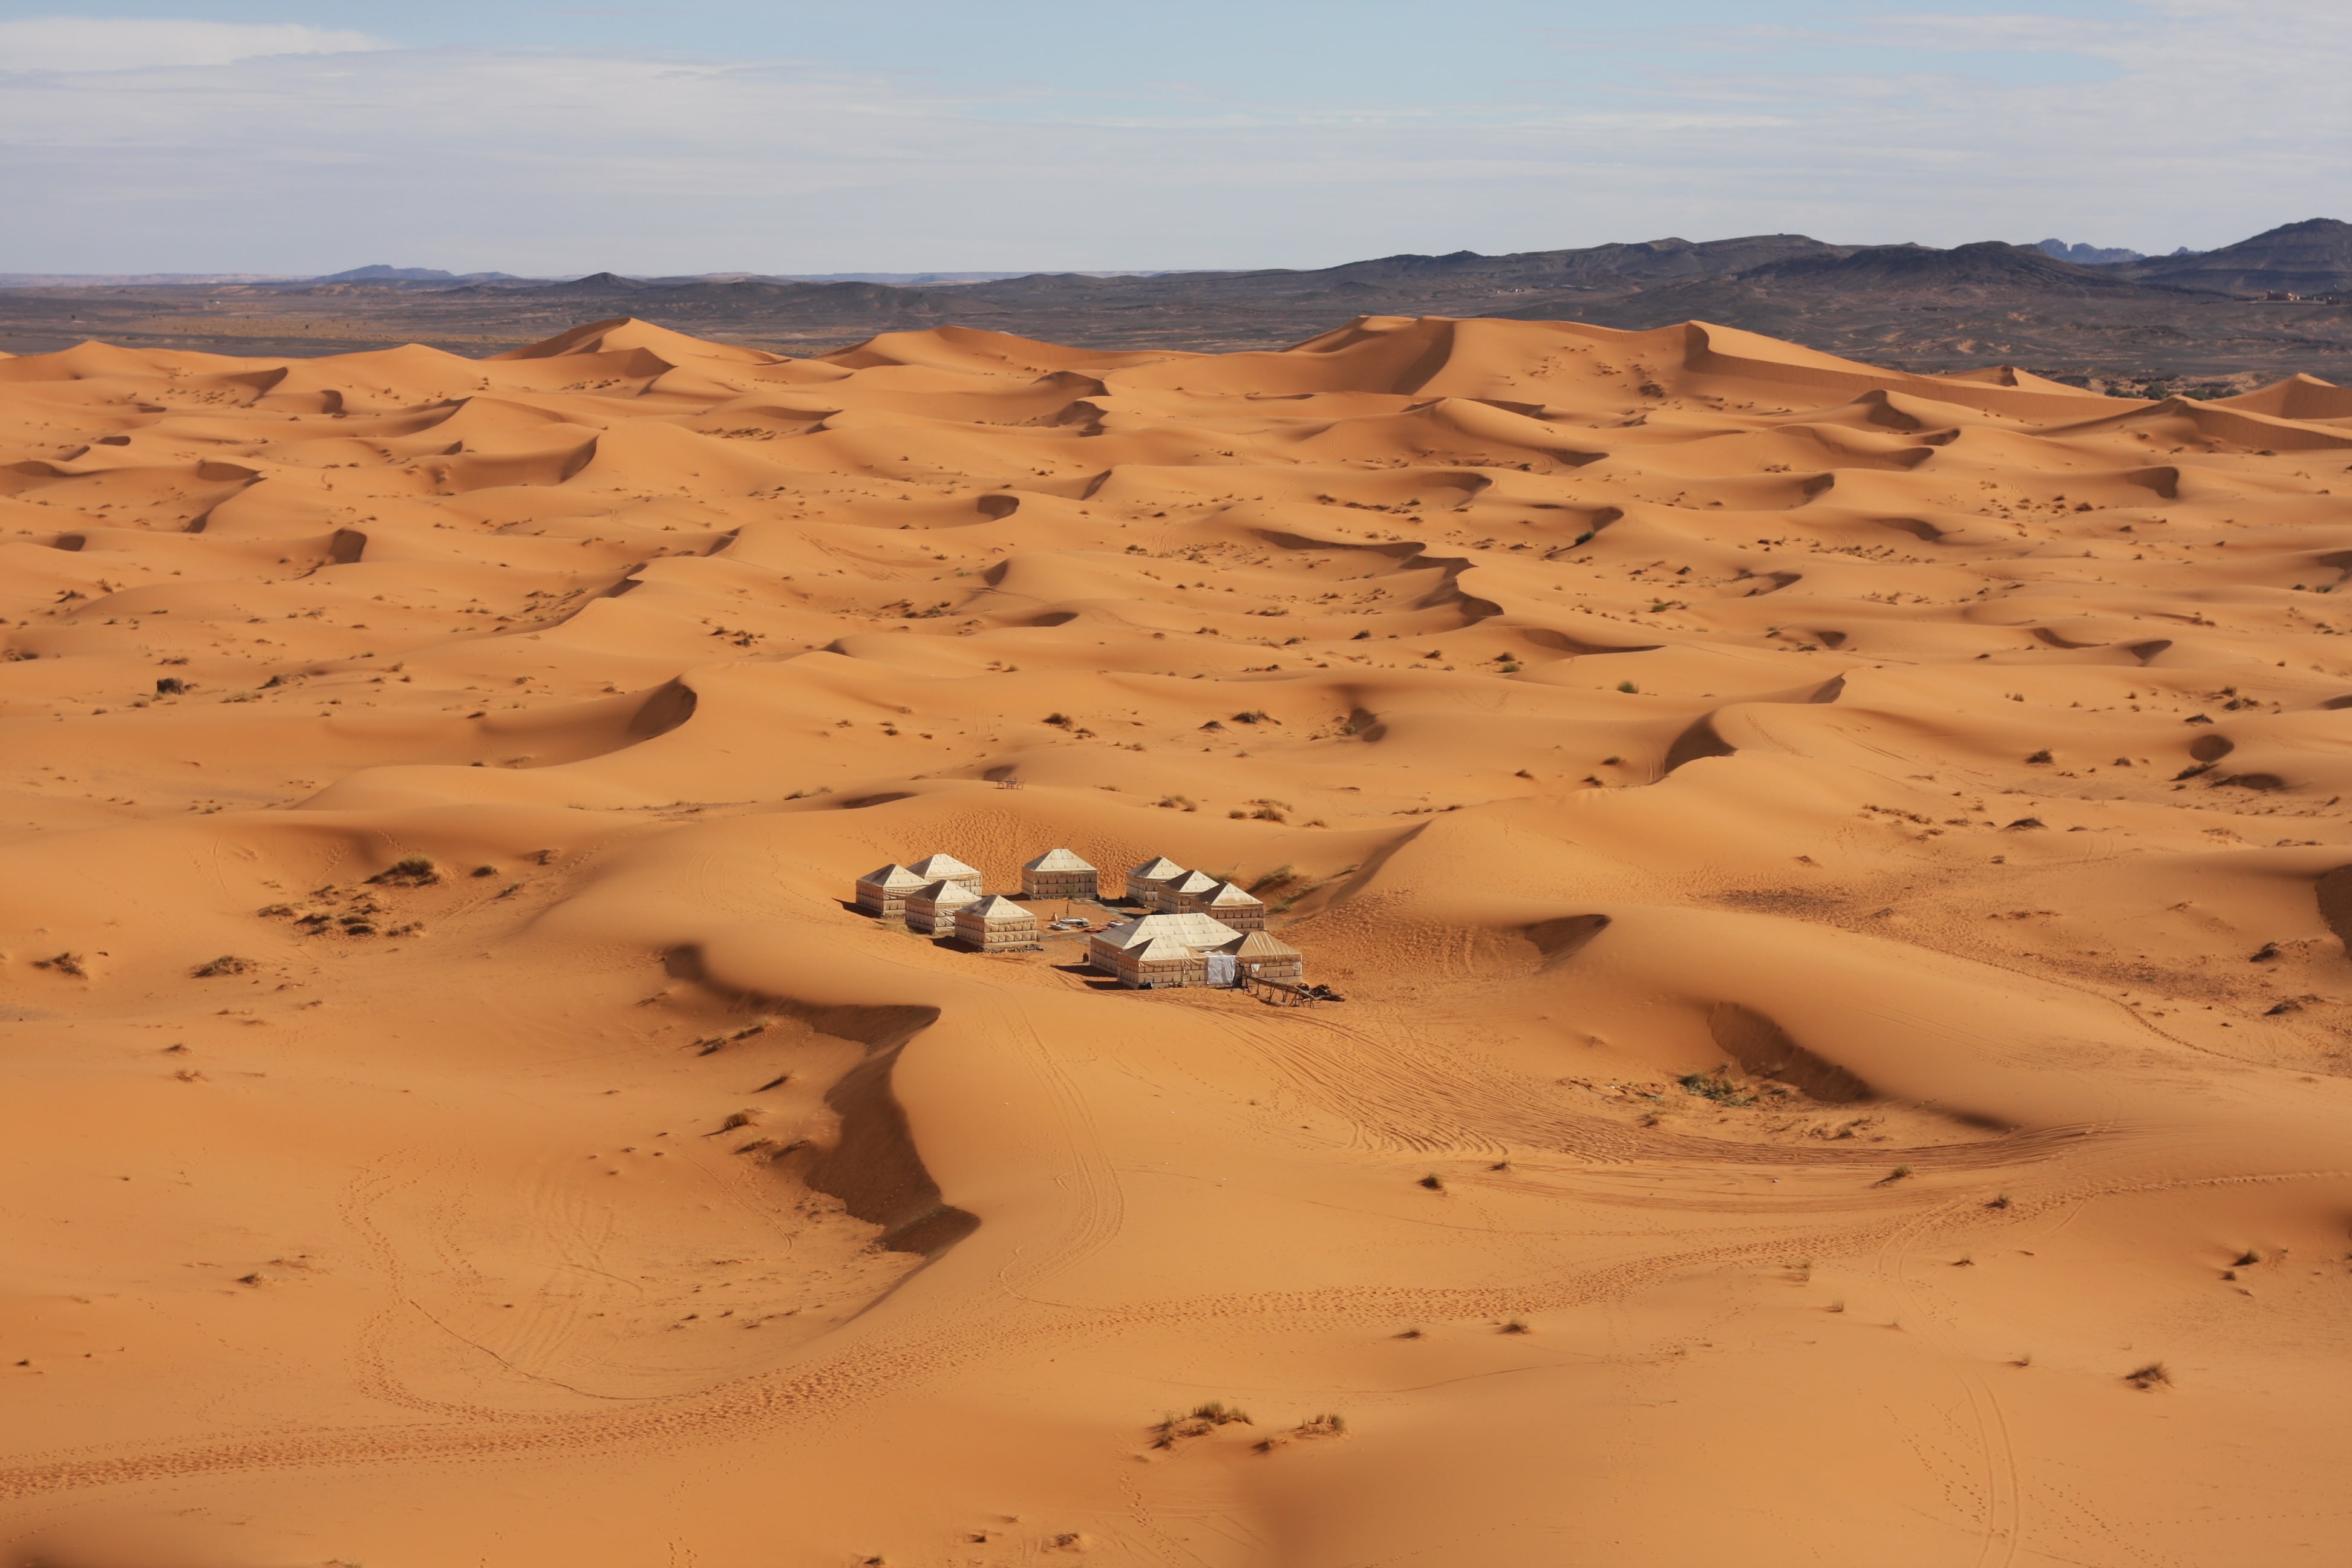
(125, 43)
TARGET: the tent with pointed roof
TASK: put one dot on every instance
(1059, 874)
(1121, 949)
(1197, 930)
(1161, 961)
(883, 891)
(1189, 894)
(947, 868)
(1263, 957)
(1144, 882)
(1235, 908)
(932, 909)
(996, 924)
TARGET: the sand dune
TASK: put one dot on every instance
(1839, 880)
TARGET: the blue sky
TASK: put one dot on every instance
(267, 135)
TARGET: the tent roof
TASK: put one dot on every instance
(1163, 950)
(1230, 895)
(1257, 944)
(1194, 931)
(936, 866)
(997, 907)
(945, 892)
(1195, 882)
(892, 876)
(1057, 860)
(1157, 869)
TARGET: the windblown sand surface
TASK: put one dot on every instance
(1946, 774)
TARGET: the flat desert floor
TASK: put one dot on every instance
(1839, 881)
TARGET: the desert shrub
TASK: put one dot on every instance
(1716, 1086)
(1205, 1418)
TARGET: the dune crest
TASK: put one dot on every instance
(1839, 880)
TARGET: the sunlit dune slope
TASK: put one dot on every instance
(1839, 881)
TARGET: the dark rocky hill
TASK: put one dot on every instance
(2314, 256)
(1989, 265)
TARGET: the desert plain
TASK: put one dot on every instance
(1839, 880)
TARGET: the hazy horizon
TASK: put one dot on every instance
(271, 136)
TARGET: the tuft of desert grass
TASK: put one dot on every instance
(2149, 1378)
(1205, 1418)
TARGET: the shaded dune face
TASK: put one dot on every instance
(1839, 880)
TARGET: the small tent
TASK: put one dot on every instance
(1059, 874)
(932, 909)
(883, 892)
(947, 869)
(1144, 882)
(996, 924)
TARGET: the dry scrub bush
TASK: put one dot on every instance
(1205, 1418)
(1314, 1427)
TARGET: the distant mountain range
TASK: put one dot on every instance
(434, 277)
(2087, 255)
(382, 274)
(2275, 301)
(2308, 258)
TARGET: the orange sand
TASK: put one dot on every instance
(1957, 763)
